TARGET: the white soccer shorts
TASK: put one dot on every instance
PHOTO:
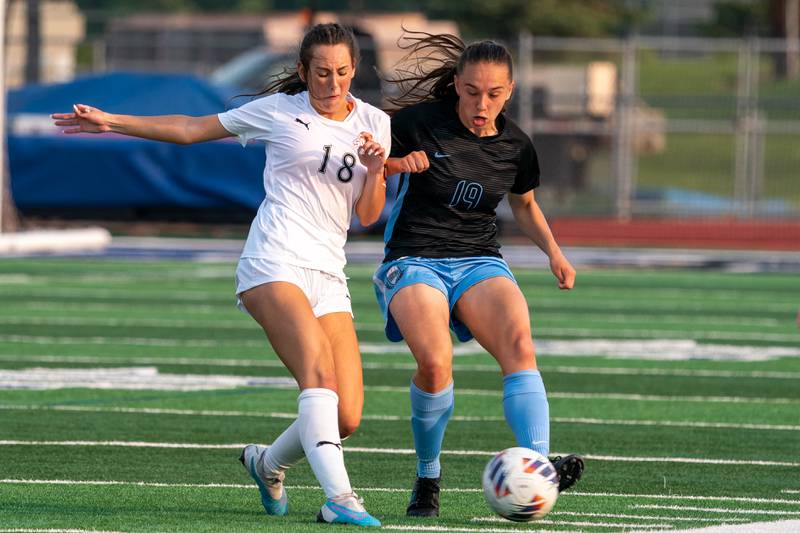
(325, 292)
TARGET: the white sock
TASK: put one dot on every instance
(318, 425)
(285, 451)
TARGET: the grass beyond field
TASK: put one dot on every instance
(680, 388)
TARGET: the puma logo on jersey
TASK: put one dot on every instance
(306, 124)
(439, 155)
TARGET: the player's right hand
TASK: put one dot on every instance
(414, 163)
(83, 119)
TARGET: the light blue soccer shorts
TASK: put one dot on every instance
(452, 276)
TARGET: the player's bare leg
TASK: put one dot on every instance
(341, 334)
(496, 312)
(301, 342)
(422, 315)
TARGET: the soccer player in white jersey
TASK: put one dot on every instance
(325, 158)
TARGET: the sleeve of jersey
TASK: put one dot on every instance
(252, 121)
(528, 172)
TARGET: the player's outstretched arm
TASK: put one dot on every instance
(180, 129)
(532, 222)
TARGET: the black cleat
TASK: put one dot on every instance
(569, 470)
(425, 497)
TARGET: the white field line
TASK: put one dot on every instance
(135, 378)
(718, 510)
(664, 296)
(673, 349)
(790, 491)
(165, 323)
(15, 279)
(394, 451)
(737, 499)
(570, 494)
(202, 274)
(665, 318)
(497, 519)
(608, 396)
(620, 334)
(583, 370)
(243, 325)
(177, 361)
(56, 531)
(194, 309)
(606, 306)
(669, 423)
(391, 418)
(129, 341)
(371, 365)
(586, 395)
(625, 516)
(365, 326)
(445, 529)
(552, 395)
(199, 294)
(200, 309)
(666, 334)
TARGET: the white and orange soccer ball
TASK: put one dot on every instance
(520, 484)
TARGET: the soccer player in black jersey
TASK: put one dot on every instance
(459, 155)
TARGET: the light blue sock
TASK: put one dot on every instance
(526, 409)
(429, 415)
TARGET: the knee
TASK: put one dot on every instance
(350, 408)
(348, 425)
(520, 352)
(433, 374)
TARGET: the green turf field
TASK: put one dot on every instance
(682, 389)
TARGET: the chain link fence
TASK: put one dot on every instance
(653, 127)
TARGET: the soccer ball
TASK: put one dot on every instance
(520, 484)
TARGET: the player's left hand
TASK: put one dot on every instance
(371, 154)
(563, 271)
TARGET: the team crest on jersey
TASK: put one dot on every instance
(393, 275)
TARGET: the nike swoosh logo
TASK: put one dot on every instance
(437, 155)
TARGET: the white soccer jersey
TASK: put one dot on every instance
(312, 177)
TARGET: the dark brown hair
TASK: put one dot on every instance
(289, 81)
(427, 72)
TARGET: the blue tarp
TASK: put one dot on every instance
(50, 170)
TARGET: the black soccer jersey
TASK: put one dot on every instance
(449, 210)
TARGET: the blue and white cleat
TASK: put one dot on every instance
(273, 495)
(346, 509)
